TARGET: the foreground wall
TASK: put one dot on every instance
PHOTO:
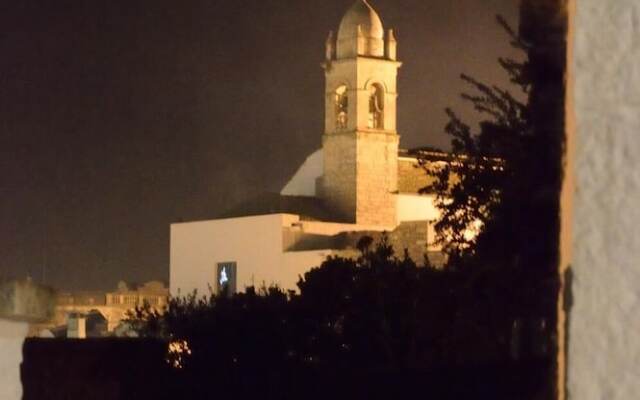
(604, 343)
(12, 334)
(21, 302)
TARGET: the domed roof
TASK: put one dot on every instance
(361, 13)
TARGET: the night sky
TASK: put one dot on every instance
(118, 118)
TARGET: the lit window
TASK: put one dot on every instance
(226, 278)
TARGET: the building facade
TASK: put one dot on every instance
(359, 183)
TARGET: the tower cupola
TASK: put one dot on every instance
(361, 32)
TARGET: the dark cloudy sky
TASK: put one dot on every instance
(120, 117)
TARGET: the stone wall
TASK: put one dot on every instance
(377, 178)
(360, 176)
(411, 177)
(338, 181)
(413, 236)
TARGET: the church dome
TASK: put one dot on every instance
(363, 15)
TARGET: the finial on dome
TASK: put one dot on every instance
(330, 48)
(391, 35)
(391, 46)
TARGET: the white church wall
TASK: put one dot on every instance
(255, 244)
(303, 182)
(413, 207)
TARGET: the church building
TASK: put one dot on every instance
(358, 184)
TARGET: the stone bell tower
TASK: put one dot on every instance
(360, 142)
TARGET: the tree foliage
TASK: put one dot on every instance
(350, 319)
(471, 187)
(502, 180)
(378, 310)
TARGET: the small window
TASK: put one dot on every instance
(226, 278)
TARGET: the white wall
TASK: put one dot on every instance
(12, 336)
(254, 243)
(303, 183)
(413, 207)
(604, 346)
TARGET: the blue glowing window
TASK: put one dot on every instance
(226, 278)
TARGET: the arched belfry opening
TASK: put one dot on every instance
(376, 107)
(341, 103)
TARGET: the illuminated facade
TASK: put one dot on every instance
(359, 183)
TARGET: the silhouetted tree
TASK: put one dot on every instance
(375, 310)
(365, 309)
(352, 320)
(508, 172)
(504, 179)
(473, 188)
(507, 176)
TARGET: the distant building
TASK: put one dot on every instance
(359, 183)
(81, 312)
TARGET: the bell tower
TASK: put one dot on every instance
(360, 142)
